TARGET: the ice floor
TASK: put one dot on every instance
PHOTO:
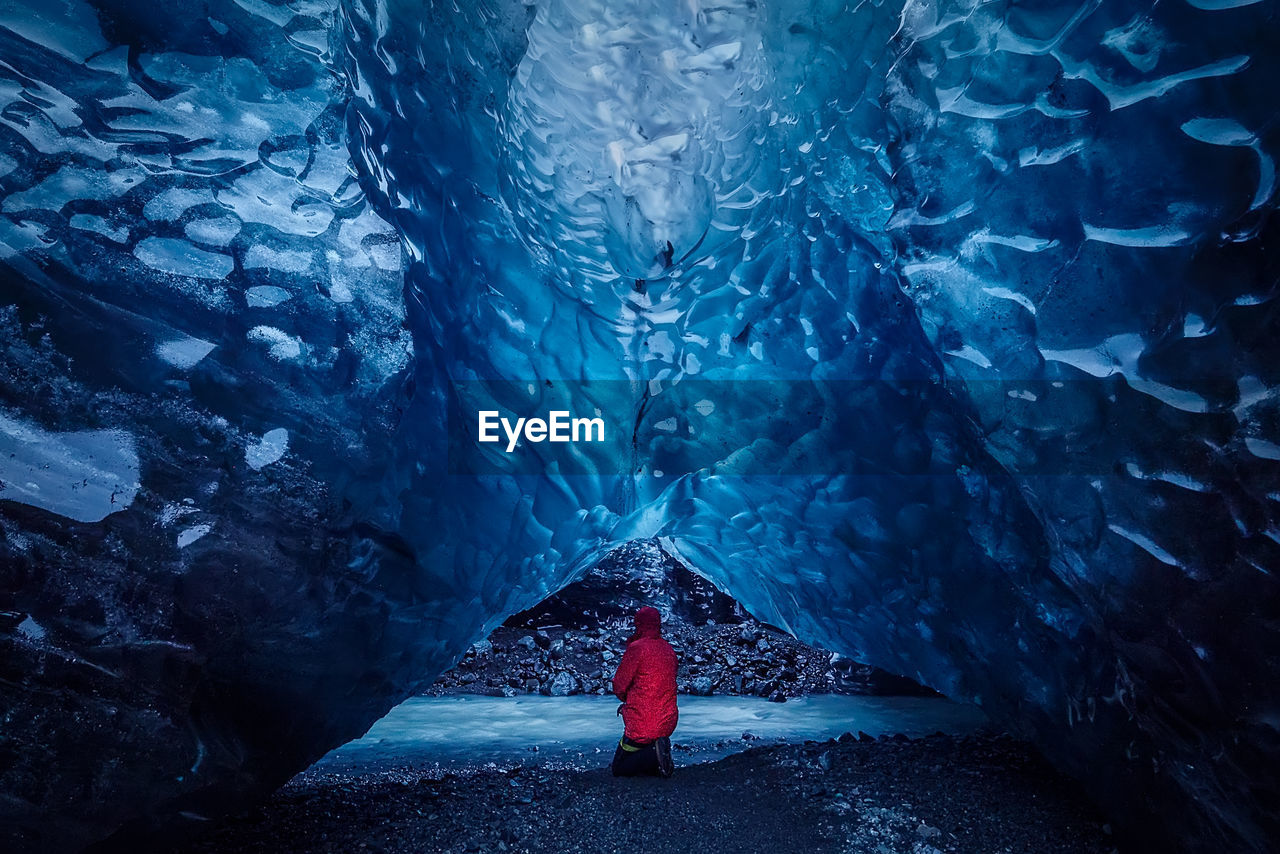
(471, 730)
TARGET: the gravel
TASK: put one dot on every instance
(932, 795)
(743, 659)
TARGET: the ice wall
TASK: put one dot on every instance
(1075, 199)
(202, 337)
(942, 331)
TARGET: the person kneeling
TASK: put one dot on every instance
(646, 685)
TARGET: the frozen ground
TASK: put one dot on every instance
(940, 794)
(461, 774)
(471, 730)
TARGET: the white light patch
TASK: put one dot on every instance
(190, 535)
(267, 450)
(184, 353)
(86, 475)
(281, 346)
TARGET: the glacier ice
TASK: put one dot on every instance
(962, 315)
(84, 475)
(267, 450)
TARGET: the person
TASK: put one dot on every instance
(646, 685)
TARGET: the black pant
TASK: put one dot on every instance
(640, 761)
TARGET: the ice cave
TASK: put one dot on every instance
(940, 334)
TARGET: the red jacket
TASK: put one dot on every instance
(646, 681)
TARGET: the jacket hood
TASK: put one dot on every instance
(648, 623)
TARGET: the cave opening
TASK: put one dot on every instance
(735, 674)
(777, 741)
(722, 647)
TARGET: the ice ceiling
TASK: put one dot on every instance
(994, 276)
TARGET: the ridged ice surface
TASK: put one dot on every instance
(635, 142)
(1002, 276)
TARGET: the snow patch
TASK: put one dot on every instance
(281, 346)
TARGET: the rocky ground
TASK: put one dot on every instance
(571, 642)
(746, 658)
(932, 795)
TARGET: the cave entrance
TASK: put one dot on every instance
(570, 643)
(538, 687)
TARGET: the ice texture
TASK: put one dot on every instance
(85, 475)
(1012, 258)
(267, 450)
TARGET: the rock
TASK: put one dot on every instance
(563, 684)
(481, 648)
(528, 643)
(924, 831)
(542, 639)
(701, 686)
(556, 649)
(777, 697)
